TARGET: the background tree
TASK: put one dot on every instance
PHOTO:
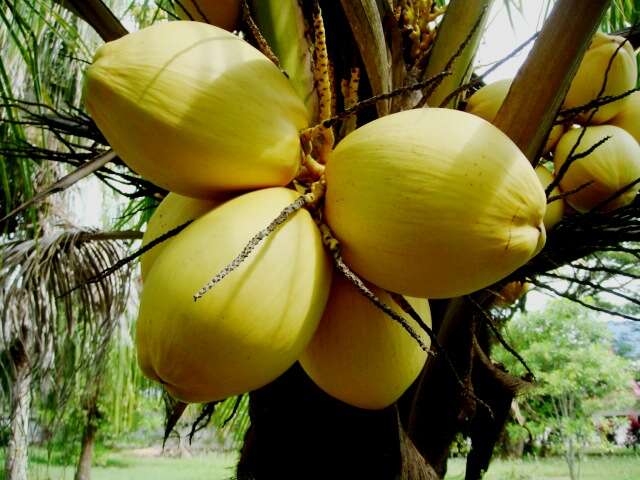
(577, 374)
(50, 328)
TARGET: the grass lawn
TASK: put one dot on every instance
(215, 466)
(123, 466)
(593, 468)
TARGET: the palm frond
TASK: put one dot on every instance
(622, 14)
(60, 332)
(41, 64)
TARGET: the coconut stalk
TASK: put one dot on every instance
(365, 21)
(285, 29)
(458, 39)
(537, 91)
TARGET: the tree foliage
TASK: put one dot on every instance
(577, 374)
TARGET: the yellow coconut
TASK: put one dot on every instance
(590, 77)
(554, 137)
(222, 13)
(251, 326)
(609, 168)
(629, 116)
(196, 110)
(486, 102)
(173, 211)
(555, 209)
(433, 203)
(361, 356)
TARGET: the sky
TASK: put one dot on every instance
(501, 37)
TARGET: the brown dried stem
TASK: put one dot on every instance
(579, 301)
(603, 269)
(568, 193)
(479, 80)
(362, 288)
(596, 286)
(572, 157)
(570, 113)
(383, 96)
(486, 316)
(128, 259)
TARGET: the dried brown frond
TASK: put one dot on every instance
(60, 333)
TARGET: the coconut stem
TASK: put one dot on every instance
(333, 246)
(572, 157)
(128, 259)
(322, 75)
(317, 189)
(479, 81)
(440, 350)
(616, 194)
(186, 11)
(568, 193)
(469, 39)
(489, 321)
(263, 45)
(312, 166)
(349, 89)
(569, 114)
(383, 96)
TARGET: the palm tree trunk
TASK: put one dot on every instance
(83, 471)
(16, 454)
(298, 431)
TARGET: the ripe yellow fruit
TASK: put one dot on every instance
(486, 102)
(173, 211)
(590, 76)
(629, 116)
(196, 110)
(610, 167)
(222, 13)
(554, 137)
(555, 209)
(433, 203)
(251, 326)
(361, 356)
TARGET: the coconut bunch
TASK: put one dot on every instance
(288, 232)
(593, 174)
